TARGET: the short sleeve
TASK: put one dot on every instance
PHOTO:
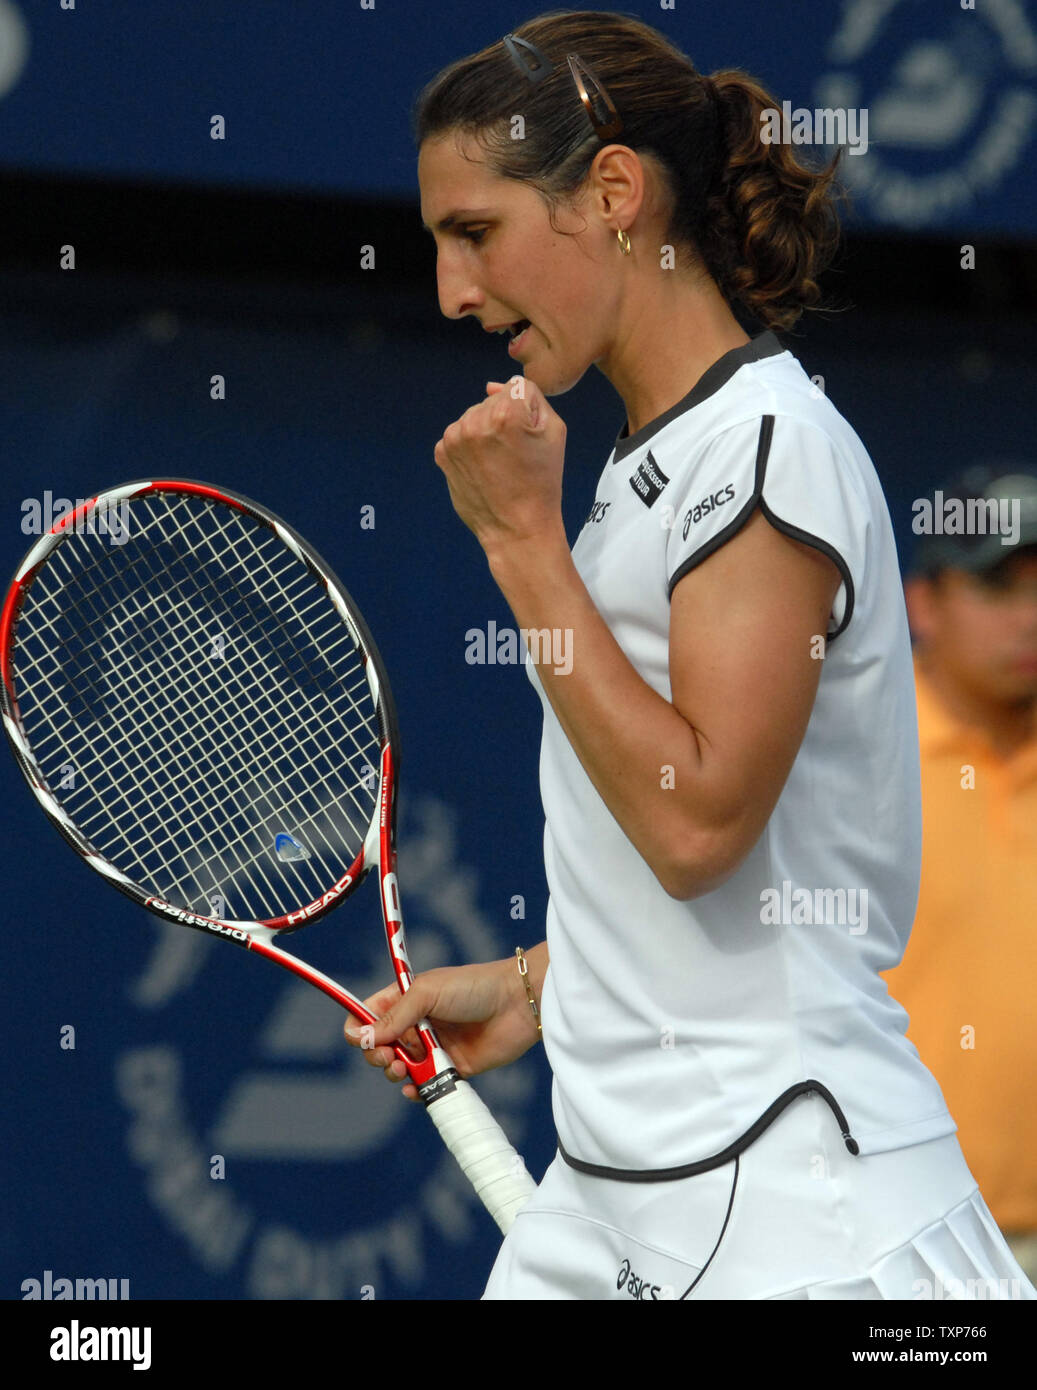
(803, 484)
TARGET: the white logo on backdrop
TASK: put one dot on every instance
(296, 1094)
(962, 98)
(14, 46)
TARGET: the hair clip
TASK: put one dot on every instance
(540, 65)
(605, 129)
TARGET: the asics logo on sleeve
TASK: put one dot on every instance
(707, 505)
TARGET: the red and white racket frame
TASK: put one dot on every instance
(469, 1130)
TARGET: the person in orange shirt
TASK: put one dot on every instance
(967, 977)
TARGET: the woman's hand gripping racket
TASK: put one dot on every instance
(201, 711)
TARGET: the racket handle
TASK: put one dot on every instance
(484, 1152)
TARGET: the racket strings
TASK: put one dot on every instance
(204, 769)
(169, 808)
(190, 752)
(142, 712)
(272, 732)
(252, 789)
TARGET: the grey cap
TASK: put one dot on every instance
(978, 519)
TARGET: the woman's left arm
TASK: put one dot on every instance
(691, 782)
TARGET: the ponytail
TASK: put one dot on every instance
(771, 224)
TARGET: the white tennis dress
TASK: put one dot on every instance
(671, 1027)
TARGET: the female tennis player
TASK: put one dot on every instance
(729, 770)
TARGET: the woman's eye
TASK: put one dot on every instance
(475, 235)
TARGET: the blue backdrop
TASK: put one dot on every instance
(317, 95)
(184, 1049)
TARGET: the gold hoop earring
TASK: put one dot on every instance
(624, 241)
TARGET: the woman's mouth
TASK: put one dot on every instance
(518, 333)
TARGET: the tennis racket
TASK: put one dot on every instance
(202, 713)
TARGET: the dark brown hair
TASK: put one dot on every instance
(763, 224)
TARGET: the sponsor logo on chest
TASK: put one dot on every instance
(649, 480)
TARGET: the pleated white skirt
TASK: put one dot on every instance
(802, 1219)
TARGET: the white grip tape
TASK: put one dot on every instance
(482, 1149)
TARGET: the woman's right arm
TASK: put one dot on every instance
(480, 1013)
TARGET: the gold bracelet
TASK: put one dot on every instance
(524, 972)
